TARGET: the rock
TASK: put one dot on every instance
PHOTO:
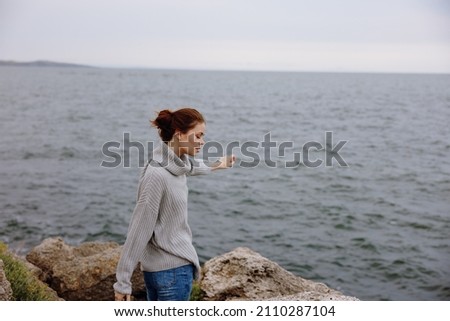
(86, 272)
(243, 274)
(48, 254)
(5, 286)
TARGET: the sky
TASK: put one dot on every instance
(411, 36)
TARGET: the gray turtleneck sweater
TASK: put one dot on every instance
(159, 236)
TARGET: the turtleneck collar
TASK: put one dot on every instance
(166, 158)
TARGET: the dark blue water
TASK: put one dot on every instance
(377, 229)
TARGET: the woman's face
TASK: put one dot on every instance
(191, 142)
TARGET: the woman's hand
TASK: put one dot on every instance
(225, 162)
(121, 297)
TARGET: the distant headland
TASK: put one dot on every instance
(40, 63)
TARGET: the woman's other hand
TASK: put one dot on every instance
(121, 297)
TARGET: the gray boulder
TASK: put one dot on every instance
(243, 274)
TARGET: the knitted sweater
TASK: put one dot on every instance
(159, 236)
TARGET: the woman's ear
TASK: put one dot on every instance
(177, 134)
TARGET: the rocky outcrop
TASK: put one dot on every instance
(5, 286)
(86, 272)
(243, 274)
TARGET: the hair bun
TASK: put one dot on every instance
(164, 119)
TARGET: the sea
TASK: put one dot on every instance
(340, 178)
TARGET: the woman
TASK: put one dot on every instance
(159, 236)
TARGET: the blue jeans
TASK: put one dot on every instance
(170, 285)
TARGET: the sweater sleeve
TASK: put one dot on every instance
(198, 167)
(140, 230)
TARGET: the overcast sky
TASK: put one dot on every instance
(291, 35)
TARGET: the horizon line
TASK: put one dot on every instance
(140, 67)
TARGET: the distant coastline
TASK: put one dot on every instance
(41, 63)
(48, 63)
